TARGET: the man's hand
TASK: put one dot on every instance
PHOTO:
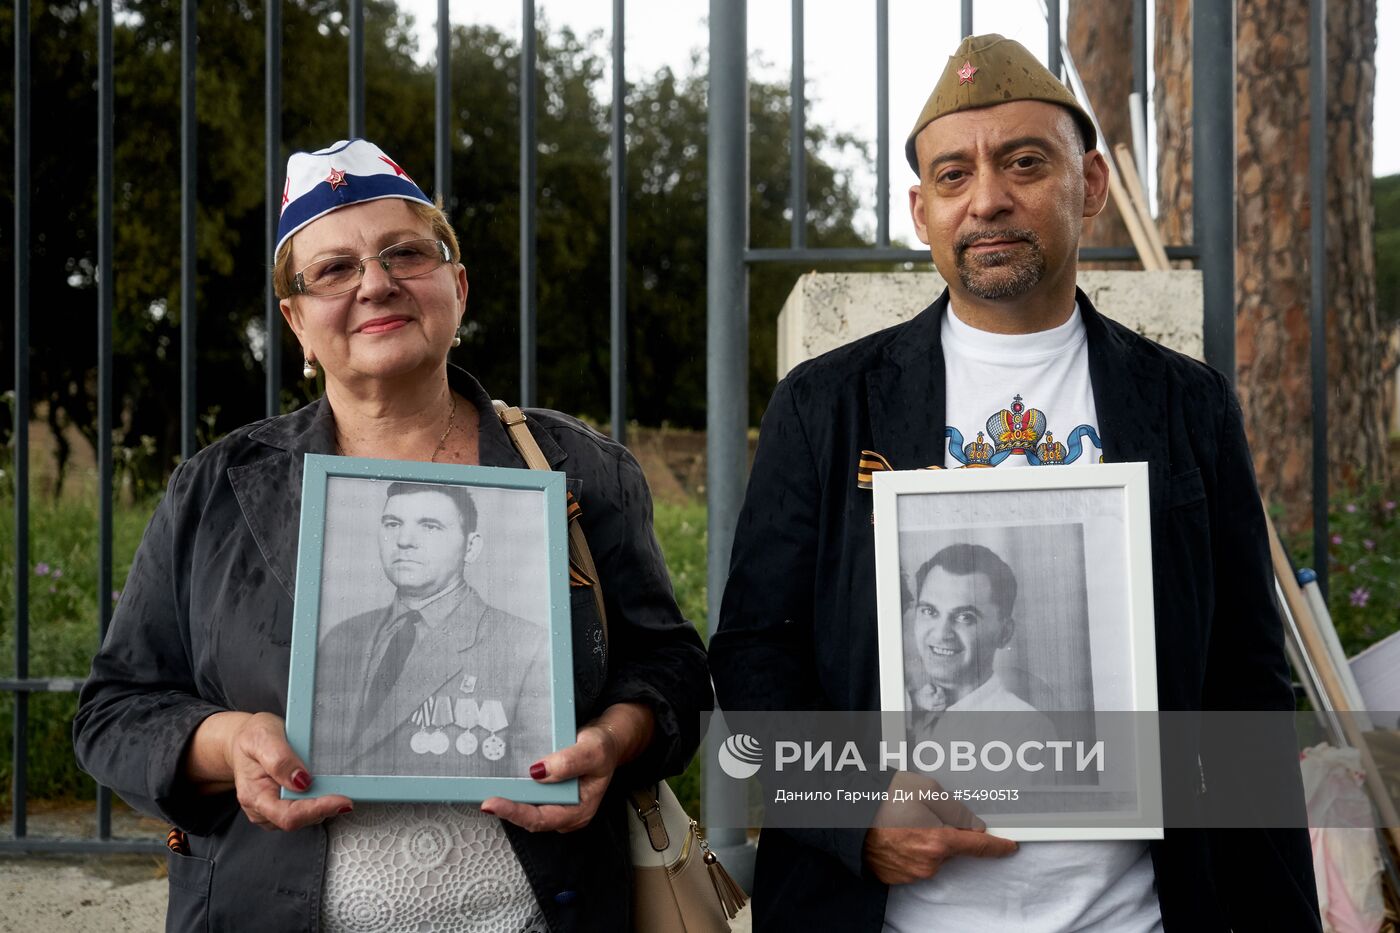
(911, 839)
(930, 698)
(255, 754)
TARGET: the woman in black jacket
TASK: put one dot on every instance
(182, 713)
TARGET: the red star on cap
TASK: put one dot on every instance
(966, 74)
(394, 165)
(337, 179)
(286, 187)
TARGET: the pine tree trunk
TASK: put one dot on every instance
(1355, 348)
(1272, 252)
(1101, 40)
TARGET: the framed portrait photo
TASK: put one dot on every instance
(431, 655)
(1015, 617)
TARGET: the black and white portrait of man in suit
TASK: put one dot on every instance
(438, 681)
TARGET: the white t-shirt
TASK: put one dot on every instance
(1025, 400)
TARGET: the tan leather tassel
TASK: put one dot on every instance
(731, 897)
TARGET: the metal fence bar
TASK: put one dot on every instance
(442, 137)
(618, 228)
(1052, 52)
(357, 68)
(1317, 200)
(20, 749)
(966, 17)
(50, 844)
(529, 288)
(882, 123)
(1139, 27)
(1139, 98)
(188, 320)
(41, 684)
(105, 285)
(894, 254)
(727, 324)
(1213, 172)
(797, 132)
(272, 210)
(1101, 253)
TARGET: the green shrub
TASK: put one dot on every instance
(63, 627)
(1364, 568)
(681, 529)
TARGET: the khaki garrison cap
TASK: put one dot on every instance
(989, 70)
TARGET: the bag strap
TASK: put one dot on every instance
(644, 801)
(579, 554)
(646, 806)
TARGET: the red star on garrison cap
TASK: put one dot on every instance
(966, 74)
(337, 179)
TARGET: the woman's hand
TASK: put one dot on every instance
(248, 752)
(614, 738)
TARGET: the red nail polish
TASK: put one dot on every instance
(300, 779)
(537, 770)
(345, 810)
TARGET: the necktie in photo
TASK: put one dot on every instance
(391, 665)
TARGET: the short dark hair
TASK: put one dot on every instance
(965, 559)
(460, 495)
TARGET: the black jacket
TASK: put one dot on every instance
(797, 625)
(204, 624)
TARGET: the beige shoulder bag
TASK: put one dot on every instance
(678, 884)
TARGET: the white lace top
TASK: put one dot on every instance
(424, 868)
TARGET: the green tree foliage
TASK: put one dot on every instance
(1386, 192)
(666, 222)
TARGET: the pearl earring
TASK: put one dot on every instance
(457, 341)
(308, 369)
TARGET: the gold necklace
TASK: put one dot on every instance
(451, 417)
(442, 441)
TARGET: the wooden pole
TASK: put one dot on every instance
(1133, 184)
(1132, 221)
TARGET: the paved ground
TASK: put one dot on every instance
(97, 893)
(109, 893)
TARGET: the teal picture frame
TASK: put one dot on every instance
(529, 526)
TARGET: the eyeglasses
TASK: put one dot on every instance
(337, 275)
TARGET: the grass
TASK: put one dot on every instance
(63, 623)
(681, 531)
(63, 629)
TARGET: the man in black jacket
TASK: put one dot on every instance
(1008, 173)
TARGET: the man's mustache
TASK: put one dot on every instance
(981, 236)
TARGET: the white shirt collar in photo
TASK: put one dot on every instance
(421, 604)
(991, 696)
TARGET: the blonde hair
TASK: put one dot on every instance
(284, 279)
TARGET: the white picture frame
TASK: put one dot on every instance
(1078, 631)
